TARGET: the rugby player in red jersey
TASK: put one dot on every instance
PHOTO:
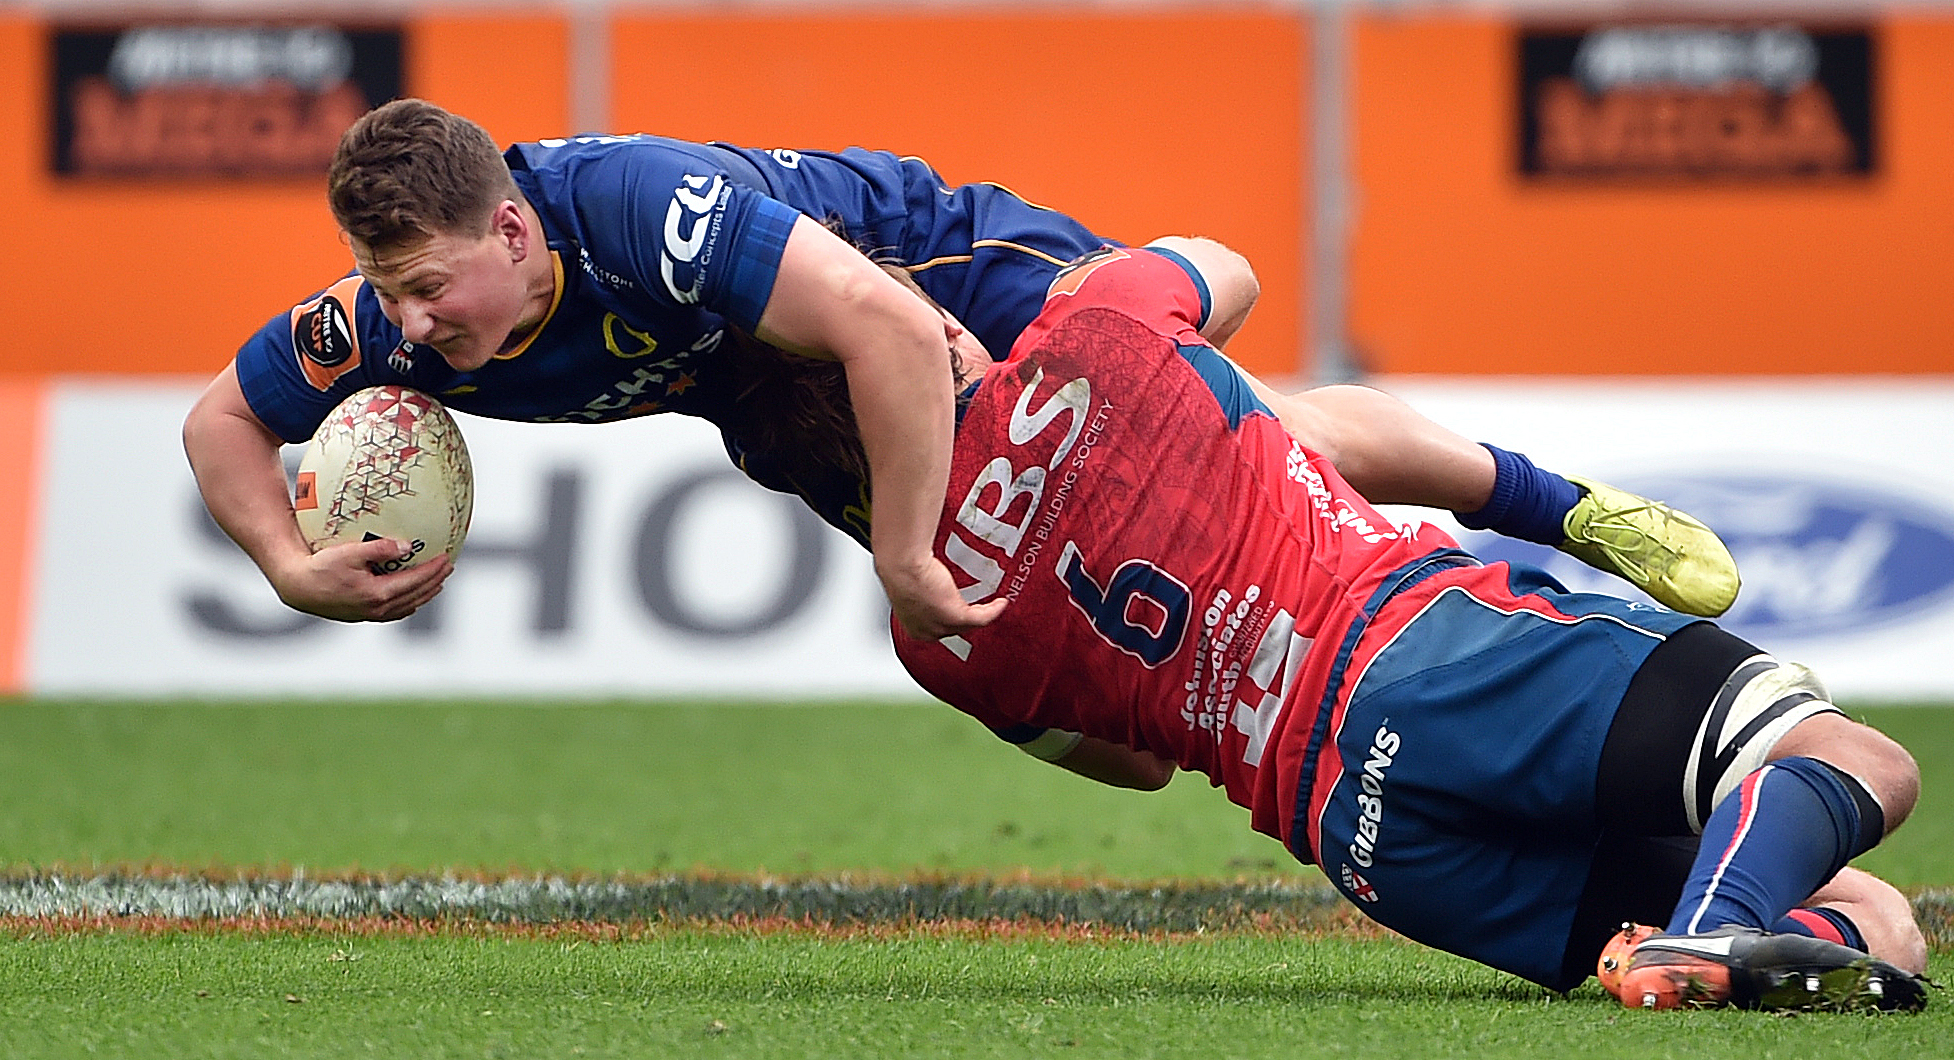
(1477, 758)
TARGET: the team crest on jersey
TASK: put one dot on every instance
(402, 358)
(1073, 276)
(325, 336)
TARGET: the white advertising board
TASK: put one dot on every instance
(624, 559)
(1835, 495)
(631, 559)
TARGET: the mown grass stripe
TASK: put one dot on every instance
(1174, 907)
(1152, 907)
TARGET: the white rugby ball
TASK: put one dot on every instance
(388, 462)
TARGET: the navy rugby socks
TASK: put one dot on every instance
(1787, 829)
(1527, 503)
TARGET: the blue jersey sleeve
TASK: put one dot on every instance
(307, 359)
(667, 217)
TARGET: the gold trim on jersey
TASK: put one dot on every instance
(556, 299)
(1002, 244)
(1015, 195)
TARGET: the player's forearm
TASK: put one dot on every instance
(904, 413)
(235, 460)
(830, 301)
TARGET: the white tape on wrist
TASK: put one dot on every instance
(1052, 744)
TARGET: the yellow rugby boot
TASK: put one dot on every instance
(1668, 554)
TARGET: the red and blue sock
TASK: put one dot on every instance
(1822, 923)
(1788, 828)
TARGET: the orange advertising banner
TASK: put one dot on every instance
(1641, 241)
(168, 274)
(1085, 118)
(22, 420)
(1629, 239)
(1188, 121)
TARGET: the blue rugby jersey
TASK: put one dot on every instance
(659, 244)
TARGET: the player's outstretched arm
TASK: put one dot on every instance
(831, 301)
(235, 459)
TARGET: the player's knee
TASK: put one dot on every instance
(1307, 422)
(1898, 786)
(1876, 760)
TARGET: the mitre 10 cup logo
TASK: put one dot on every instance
(324, 335)
(1696, 101)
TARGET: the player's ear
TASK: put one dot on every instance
(508, 223)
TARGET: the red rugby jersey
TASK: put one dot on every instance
(1182, 573)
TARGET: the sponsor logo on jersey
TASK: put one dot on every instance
(641, 393)
(1210, 686)
(1370, 796)
(1819, 556)
(1007, 498)
(601, 274)
(1298, 469)
(691, 221)
(787, 157)
(324, 333)
(1331, 508)
(1357, 886)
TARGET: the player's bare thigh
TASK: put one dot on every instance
(1384, 448)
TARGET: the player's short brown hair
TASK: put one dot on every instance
(408, 170)
(796, 409)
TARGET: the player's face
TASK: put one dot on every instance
(460, 294)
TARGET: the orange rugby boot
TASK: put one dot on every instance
(1748, 968)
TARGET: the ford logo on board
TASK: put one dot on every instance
(1818, 556)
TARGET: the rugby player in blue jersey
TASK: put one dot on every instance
(602, 277)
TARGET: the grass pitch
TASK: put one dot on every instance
(740, 994)
(649, 788)
(875, 792)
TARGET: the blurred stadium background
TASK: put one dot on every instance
(1700, 250)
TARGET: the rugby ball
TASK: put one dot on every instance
(388, 462)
